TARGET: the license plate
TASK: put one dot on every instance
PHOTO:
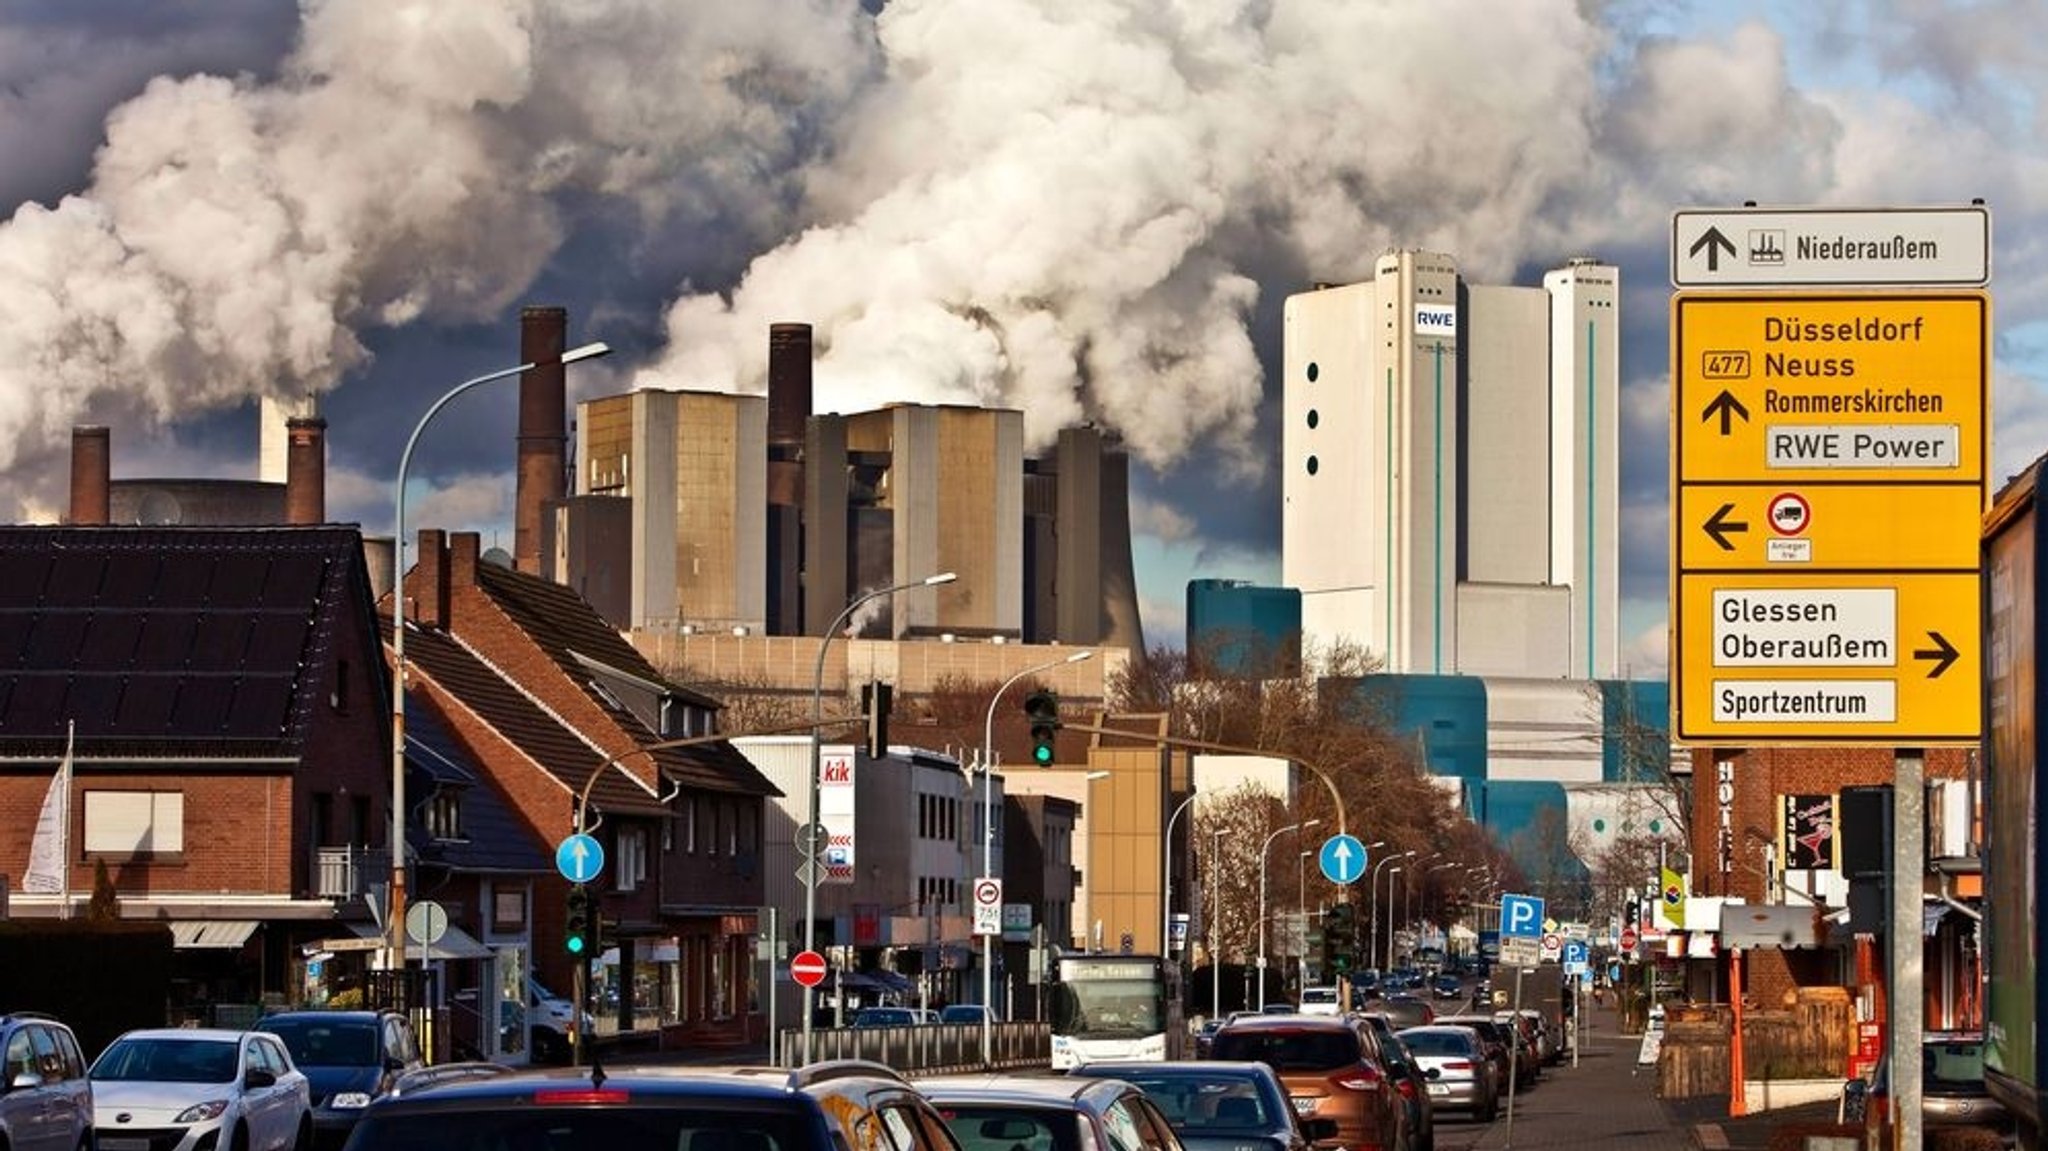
(1434, 1089)
(111, 1143)
(1302, 1105)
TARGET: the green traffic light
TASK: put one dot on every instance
(1043, 754)
(575, 945)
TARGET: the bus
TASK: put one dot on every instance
(1108, 1007)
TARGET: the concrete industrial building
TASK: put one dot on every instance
(1451, 491)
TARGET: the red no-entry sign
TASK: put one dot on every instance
(807, 968)
(1628, 941)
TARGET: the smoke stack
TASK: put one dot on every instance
(789, 382)
(305, 470)
(91, 475)
(543, 428)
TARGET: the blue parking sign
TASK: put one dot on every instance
(1521, 915)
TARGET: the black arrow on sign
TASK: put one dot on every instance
(1715, 243)
(1719, 527)
(1943, 653)
(1727, 407)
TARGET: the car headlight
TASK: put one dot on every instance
(202, 1112)
(349, 1100)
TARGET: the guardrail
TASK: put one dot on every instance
(926, 1049)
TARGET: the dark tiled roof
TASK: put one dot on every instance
(523, 723)
(171, 641)
(494, 839)
(575, 637)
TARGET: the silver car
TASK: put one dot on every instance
(1455, 1066)
(45, 1098)
(180, 1089)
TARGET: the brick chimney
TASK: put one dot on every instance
(91, 476)
(543, 429)
(429, 584)
(463, 550)
(305, 470)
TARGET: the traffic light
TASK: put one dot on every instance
(1340, 939)
(1044, 709)
(874, 703)
(576, 938)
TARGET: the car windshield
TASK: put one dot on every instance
(327, 1043)
(168, 1061)
(1953, 1063)
(660, 1125)
(995, 1127)
(1290, 1050)
(1436, 1043)
(1207, 1101)
(1318, 995)
(961, 1013)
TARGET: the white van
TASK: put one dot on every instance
(1319, 1001)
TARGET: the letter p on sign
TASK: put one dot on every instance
(1521, 915)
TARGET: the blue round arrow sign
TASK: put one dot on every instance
(579, 858)
(1342, 859)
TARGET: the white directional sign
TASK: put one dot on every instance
(1817, 247)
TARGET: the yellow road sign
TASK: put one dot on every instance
(1841, 658)
(1828, 485)
(1845, 387)
(1798, 528)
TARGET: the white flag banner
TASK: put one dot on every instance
(50, 850)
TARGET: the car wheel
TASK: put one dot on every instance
(87, 1141)
(302, 1139)
(240, 1139)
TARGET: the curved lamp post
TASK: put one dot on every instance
(1372, 944)
(394, 919)
(988, 838)
(1166, 884)
(1262, 900)
(810, 870)
(1212, 904)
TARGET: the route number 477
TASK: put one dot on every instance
(1724, 365)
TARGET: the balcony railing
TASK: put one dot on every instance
(347, 872)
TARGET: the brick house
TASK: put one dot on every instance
(227, 704)
(565, 714)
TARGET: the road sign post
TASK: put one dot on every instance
(807, 968)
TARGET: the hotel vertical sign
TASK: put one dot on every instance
(1830, 462)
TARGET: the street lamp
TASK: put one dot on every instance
(1374, 882)
(394, 920)
(988, 839)
(1212, 905)
(1450, 865)
(1166, 884)
(809, 834)
(1388, 964)
(1262, 900)
(1301, 914)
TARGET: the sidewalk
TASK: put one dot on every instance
(1602, 1104)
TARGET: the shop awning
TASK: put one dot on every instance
(198, 933)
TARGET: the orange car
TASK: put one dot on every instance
(1332, 1069)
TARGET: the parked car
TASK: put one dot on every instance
(1069, 1113)
(1460, 1076)
(1205, 1036)
(886, 1017)
(200, 1089)
(1494, 1039)
(1549, 1045)
(551, 1021)
(1216, 1106)
(966, 1013)
(1332, 1068)
(1529, 1053)
(822, 1107)
(1409, 1080)
(349, 1058)
(45, 1097)
(1952, 1091)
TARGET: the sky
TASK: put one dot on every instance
(1085, 209)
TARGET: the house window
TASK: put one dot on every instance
(508, 910)
(632, 848)
(444, 815)
(135, 824)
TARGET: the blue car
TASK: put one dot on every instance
(349, 1058)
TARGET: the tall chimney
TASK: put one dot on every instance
(543, 429)
(91, 474)
(305, 470)
(789, 382)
